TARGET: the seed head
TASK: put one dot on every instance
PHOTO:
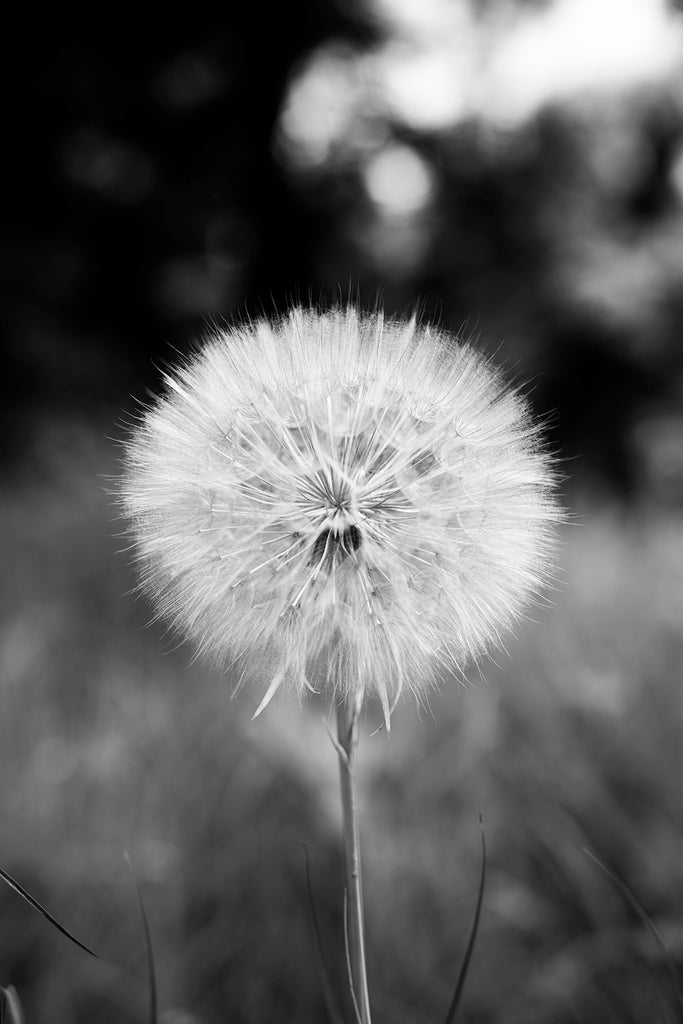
(340, 503)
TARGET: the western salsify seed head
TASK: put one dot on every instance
(340, 502)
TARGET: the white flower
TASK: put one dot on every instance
(340, 502)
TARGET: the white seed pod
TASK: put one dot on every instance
(340, 503)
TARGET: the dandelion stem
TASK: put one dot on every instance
(347, 734)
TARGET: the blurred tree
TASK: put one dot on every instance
(140, 193)
(161, 175)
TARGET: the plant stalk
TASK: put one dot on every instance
(347, 733)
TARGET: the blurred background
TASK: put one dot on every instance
(512, 169)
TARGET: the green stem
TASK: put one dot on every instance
(347, 734)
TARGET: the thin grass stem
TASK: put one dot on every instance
(347, 734)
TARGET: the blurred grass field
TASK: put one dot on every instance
(110, 740)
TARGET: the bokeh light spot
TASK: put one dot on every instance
(399, 180)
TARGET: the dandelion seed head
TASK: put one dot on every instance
(340, 503)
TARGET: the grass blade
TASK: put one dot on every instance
(13, 884)
(10, 1007)
(331, 1003)
(149, 952)
(647, 921)
(462, 977)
